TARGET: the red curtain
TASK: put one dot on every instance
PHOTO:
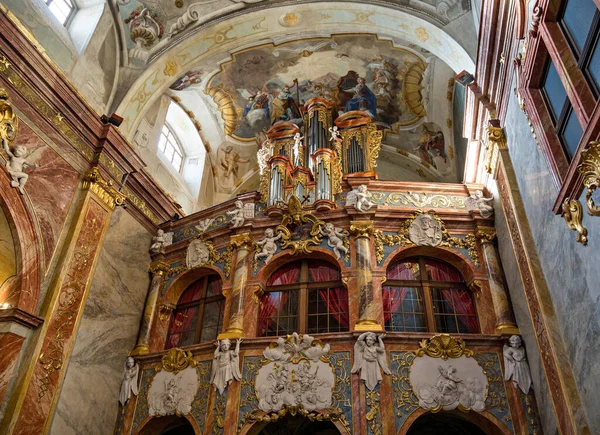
(336, 299)
(273, 302)
(392, 300)
(403, 270)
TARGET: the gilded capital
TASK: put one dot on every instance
(486, 234)
(361, 228)
(103, 188)
(496, 136)
(572, 212)
(158, 268)
(241, 241)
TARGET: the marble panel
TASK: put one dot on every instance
(11, 346)
(108, 331)
(50, 187)
(8, 264)
(571, 270)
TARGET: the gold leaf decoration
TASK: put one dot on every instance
(443, 346)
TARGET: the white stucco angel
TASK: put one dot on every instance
(478, 202)
(16, 164)
(158, 241)
(204, 225)
(129, 381)
(369, 358)
(226, 364)
(269, 247)
(237, 215)
(335, 239)
(359, 198)
(335, 135)
(515, 364)
(297, 146)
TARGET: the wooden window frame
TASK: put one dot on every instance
(201, 304)
(549, 40)
(426, 287)
(302, 287)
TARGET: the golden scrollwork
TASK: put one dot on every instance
(496, 142)
(257, 293)
(374, 144)
(158, 268)
(475, 287)
(572, 212)
(295, 216)
(361, 228)
(443, 346)
(9, 122)
(326, 415)
(241, 241)
(176, 360)
(164, 312)
(486, 234)
(590, 168)
(226, 105)
(103, 188)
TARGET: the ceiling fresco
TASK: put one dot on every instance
(262, 86)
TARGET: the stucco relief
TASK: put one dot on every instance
(297, 374)
(425, 231)
(172, 393)
(197, 254)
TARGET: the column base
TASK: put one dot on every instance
(231, 333)
(140, 349)
(508, 329)
(367, 325)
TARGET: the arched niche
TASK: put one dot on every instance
(21, 291)
(169, 425)
(453, 423)
(183, 281)
(294, 424)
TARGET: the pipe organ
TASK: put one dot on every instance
(310, 161)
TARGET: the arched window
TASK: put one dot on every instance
(305, 296)
(198, 317)
(62, 9)
(423, 294)
(170, 148)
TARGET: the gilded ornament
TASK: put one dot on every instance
(176, 360)
(361, 228)
(241, 241)
(443, 346)
(293, 217)
(164, 312)
(158, 268)
(486, 234)
(9, 122)
(590, 168)
(257, 293)
(572, 212)
(496, 142)
(103, 188)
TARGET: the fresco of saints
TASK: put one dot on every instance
(364, 99)
(284, 106)
(230, 162)
(431, 144)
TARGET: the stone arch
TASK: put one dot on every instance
(24, 290)
(254, 428)
(157, 425)
(487, 422)
(183, 281)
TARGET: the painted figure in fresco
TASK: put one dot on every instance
(515, 364)
(369, 357)
(226, 365)
(284, 107)
(230, 162)
(16, 164)
(269, 247)
(188, 79)
(158, 241)
(237, 215)
(431, 145)
(335, 239)
(359, 198)
(364, 99)
(129, 381)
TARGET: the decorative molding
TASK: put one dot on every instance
(241, 241)
(158, 268)
(443, 346)
(21, 317)
(496, 140)
(573, 215)
(295, 216)
(176, 360)
(590, 169)
(257, 293)
(361, 228)
(485, 234)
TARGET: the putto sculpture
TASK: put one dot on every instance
(359, 198)
(515, 364)
(16, 164)
(335, 239)
(158, 242)
(370, 359)
(478, 202)
(269, 247)
(237, 215)
(226, 364)
(129, 381)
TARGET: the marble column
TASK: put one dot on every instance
(243, 244)
(157, 269)
(505, 320)
(31, 409)
(368, 308)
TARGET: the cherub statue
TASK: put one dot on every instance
(369, 356)
(204, 225)
(515, 364)
(335, 239)
(269, 247)
(278, 352)
(158, 242)
(335, 135)
(129, 381)
(359, 198)
(17, 161)
(230, 161)
(478, 202)
(297, 145)
(237, 214)
(226, 366)
(447, 383)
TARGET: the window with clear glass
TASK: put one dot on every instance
(305, 296)
(61, 9)
(198, 317)
(169, 146)
(423, 294)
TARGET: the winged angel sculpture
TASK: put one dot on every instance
(369, 357)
